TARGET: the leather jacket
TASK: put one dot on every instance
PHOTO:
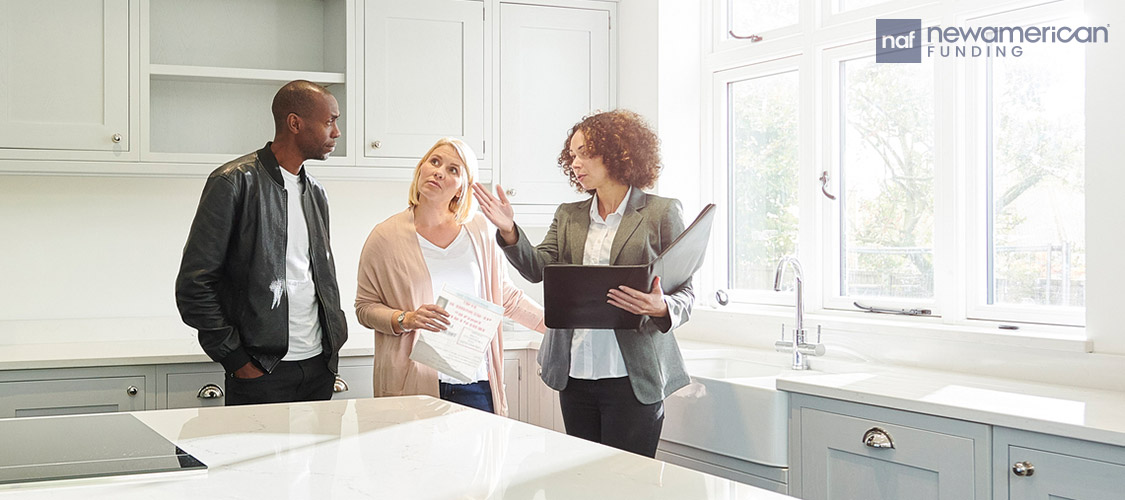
(232, 276)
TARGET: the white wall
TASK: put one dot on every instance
(1105, 180)
(109, 247)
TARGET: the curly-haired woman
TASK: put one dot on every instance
(611, 383)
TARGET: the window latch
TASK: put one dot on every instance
(904, 312)
(752, 38)
(824, 185)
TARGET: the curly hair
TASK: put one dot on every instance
(626, 144)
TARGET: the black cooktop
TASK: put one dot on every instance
(81, 446)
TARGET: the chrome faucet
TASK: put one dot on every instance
(800, 348)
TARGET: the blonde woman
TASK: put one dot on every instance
(438, 240)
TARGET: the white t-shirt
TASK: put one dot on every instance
(595, 354)
(455, 265)
(304, 311)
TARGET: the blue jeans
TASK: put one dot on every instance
(475, 395)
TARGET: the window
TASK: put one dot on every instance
(886, 205)
(958, 182)
(749, 17)
(763, 176)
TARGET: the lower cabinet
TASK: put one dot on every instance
(198, 385)
(515, 385)
(68, 391)
(1032, 466)
(848, 451)
(355, 379)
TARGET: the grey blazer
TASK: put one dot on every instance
(650, 223)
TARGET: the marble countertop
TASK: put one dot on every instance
(409, 447)
(75, 343)
(1075, 412)
(1057, 409)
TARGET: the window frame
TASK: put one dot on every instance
(826, 36)
(721, 184)
(977, 137)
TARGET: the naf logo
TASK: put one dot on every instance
(898, 40)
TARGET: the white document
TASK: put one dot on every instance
(459, 350)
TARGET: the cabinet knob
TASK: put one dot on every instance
(210, 391)
(510, 191)
(116, 138)
(878, 438)
(339, 385)
(132, 390)
(376, 144)
(1023, 469)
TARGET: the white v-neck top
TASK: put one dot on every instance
(456, 266)
(595, 354)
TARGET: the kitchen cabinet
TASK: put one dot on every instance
(555, 66)
(515, 384)
(165, 87)
(424, 76)
(843, 450)
(210, 69)
(1032, 466)
(543, 404)
(194, 385)
(64, 79)
(355, 378)
(68, 391)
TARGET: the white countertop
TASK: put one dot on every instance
(1089, 414)
(409, 447)
(1068, 411)
(77, 343)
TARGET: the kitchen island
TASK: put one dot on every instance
(407, 447)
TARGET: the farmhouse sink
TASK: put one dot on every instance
(732, 406)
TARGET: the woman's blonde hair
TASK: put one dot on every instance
(463, 204)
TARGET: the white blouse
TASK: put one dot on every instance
(595, 354)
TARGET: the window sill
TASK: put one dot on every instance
(1063, 339)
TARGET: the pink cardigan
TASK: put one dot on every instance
(393, 276)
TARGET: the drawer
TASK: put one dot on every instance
(33, 398)
(357, 377)
(195, 390)
(843, 450)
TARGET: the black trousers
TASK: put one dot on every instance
(606, 411)
(291, 381)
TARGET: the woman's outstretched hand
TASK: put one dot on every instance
(498, 211)
(638, 302)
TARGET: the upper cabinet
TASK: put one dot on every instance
(555, 67)
(64, 78)
(168, 87)
(210, 69)
(424, 76)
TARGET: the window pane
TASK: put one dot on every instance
(856, 4)
(754, 17)
(887, 164)
(1037, 247)
(763, 173)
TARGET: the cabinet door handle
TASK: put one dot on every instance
(339, 385)
(510, 191)
(376, 144)
(1023, 469)
(132, 390)
(878, 438)
(116, 138)
(210, 391)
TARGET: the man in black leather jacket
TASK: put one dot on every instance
(258, 280)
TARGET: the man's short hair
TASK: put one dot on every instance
(297, 96)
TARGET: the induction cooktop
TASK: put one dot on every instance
(83, 446)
